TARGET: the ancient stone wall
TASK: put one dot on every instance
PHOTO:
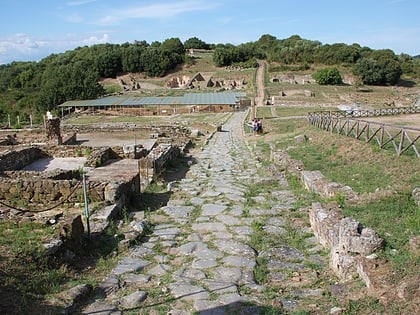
(157, 160)
(37, 194)
(99, 156)
(19, 158)
(171, 131)
(349, 242)
(346, 238)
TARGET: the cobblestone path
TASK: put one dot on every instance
(222, 246)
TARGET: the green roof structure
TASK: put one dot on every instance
(221, 98)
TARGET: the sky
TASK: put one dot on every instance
(31, 30)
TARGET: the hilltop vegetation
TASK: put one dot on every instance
(35, 87)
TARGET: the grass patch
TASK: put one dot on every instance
(261, 272)
(355, 163)
(399, 220)
(29, 276)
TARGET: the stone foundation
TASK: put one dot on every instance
(349, 242)
(346, 238)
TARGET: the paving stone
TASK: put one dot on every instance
(109, 285)
(278, 276)
(207, 253)
(166, 244)
(160, 270)
(132, 300)
(168, 233)
(195, 237)
(229, 190)
(259, 199)
(232, 299)
(140, 251)
(263, 212)
(189, 248)
(274, 229)
(211, 193)
(237, 210)
(220, 287)
(101, 308)
(188, 275)
(223, 273)
(178, 211)
(209, 227)
(133, 278)
(247, 277)
(203, 219)
(240, 262)
(212, 209)
(235, 248)
(223, 235)
(128, 264)
(204, 263)
(188, 292)
(163, 226)
(235, 197)
(276, 221)
(228, 219)
(197, 201)
(241, 230)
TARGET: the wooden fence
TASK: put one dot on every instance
(402, 139)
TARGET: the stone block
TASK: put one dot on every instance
(343, 265)
(354, 238)
(325, 223)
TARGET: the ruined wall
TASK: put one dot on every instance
(346, 238)
(171, 131)
(157, 160)
(349, 242)
(19, 158)
(37, 194)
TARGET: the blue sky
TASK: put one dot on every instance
(31, 30)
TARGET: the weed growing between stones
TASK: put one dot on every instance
(261, 271)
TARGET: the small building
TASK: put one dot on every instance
(164, 105)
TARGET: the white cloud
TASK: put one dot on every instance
(162, 10)
(24, 47)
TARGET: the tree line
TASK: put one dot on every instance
(35, 87)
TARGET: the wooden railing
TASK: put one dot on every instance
(402, 139)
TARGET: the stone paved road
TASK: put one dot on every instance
(200, 259)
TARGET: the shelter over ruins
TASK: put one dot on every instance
(165, 105)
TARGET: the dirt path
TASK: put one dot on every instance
(259, 99)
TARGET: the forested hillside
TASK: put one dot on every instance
(35, 87)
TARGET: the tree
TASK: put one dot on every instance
(328, 76)
(173, 45)
(195, 43)
(131, 58)
(68, 82)
(368, 70)
(385, 70)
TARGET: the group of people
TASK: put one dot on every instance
(256, 125)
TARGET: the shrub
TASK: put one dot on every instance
(328, 76)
